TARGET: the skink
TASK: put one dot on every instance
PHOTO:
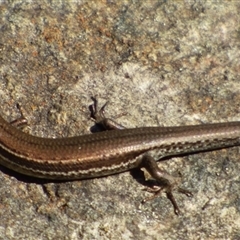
(109, 152)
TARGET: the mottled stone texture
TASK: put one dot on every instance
(164, 63)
